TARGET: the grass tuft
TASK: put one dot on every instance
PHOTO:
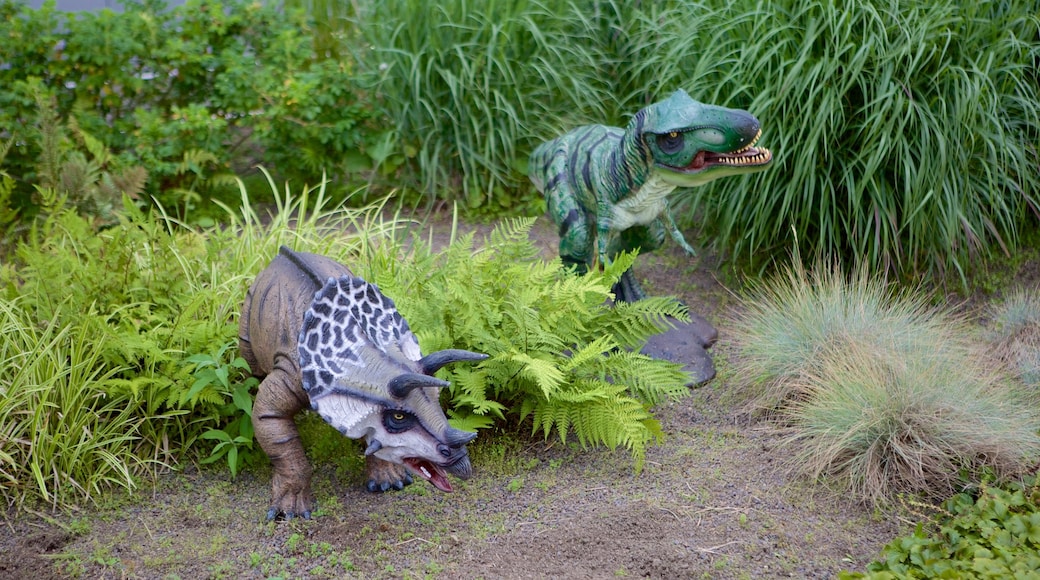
(881, 393)
(1015, 335)
(879, 423)
(788, 320)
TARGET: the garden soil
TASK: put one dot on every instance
(714, 499)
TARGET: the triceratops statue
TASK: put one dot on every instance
(323, 338)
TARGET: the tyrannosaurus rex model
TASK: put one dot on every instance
(607, 188)
(324, 339)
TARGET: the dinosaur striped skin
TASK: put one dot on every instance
(608, 188)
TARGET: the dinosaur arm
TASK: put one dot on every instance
(676, 234)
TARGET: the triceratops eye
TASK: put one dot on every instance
(398, 421)
(670, 142)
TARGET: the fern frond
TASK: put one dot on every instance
(592, 354)
(543, 373)
(631, 323)
(648, 379)
(99, 152)
(131, 181)
(194, 160)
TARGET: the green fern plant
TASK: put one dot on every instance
(560, 355)
(229, 386)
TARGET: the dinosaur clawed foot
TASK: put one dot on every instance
(384, 475)
(291, 498)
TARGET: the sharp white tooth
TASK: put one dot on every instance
(425, 473)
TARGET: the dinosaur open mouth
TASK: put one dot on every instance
(746, 156)
(430, 472)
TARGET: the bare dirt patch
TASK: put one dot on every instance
(713, 501)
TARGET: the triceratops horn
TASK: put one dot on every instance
(432, 362)
(373, 446)
(457, 437)
(403, 384)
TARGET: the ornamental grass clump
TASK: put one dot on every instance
(878, 423)
(1015, 335)
(878, 392)
(788, 321)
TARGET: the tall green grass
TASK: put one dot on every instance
(879, 393)
(99, 330)
(62, 436)
(905, 132)
(462, 83)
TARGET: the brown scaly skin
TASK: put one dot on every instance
(269, 334)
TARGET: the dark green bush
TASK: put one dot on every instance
(191, 94)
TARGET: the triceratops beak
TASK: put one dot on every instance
(462, 468)
(403, 383)
(432, 362)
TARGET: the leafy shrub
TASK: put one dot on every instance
(189, 93)
(880, 395)
(993, 535)
(559, 354)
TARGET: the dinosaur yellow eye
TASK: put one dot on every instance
(397, 421)
(671, 142)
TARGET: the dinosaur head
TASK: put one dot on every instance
(365, 376)
(693, 143)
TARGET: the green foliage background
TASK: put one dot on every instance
(905, 131)
(191, 94)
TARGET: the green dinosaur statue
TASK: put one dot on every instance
(607, 188)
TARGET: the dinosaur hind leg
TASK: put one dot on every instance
(637, 238)
(278, 400)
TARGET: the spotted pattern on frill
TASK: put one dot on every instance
(346, 314)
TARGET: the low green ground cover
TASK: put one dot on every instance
(994, 533)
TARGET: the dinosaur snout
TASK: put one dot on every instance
(462, 468)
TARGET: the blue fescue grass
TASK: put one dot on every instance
(1015, 333)
(879, 392)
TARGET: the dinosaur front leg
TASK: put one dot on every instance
(278, 401)
(385, 475)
